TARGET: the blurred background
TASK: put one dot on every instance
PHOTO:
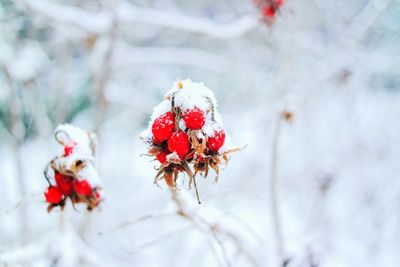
(313, 90)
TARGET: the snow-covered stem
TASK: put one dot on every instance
(273, 187)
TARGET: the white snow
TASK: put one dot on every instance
(82, 151)
(29, 62)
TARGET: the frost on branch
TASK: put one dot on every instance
(186, 134)
(72, 174)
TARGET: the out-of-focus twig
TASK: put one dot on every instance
(103, 76)
(101, 22)
(275, 215)
(17, 132)
(144, 218)
(216, 231)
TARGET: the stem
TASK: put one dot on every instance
(276, 219)
(195, 188)
(212, 106)
(61, 225)
(104, 76)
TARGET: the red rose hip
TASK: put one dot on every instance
(64, 183)
(69, 148)
(179, 143)
(163, 127)
(216, 141)
(53, 195)
(162, 156)
(82, 188)
(194, 118)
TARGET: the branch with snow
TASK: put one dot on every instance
(101, 22)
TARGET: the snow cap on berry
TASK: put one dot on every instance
(192, 95)
(81, 140)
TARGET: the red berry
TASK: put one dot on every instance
(200, 159)
(53, 195)
(216, 141)
(268, 11)
(64, 183)
(194, 118)
(162, 156)
(82, 188)
(163, 127)
(69, 148)
(279, 2)
(179, 143)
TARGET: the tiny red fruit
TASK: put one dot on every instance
(64, 183)
(200, 159)
(82, 188)
(194, 118)
(69, 148)
(179, 143)
(162, 156)
(163, 127)
(269, 11)
(216, 141)
(53, 195)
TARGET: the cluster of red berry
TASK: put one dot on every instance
(268, 8)
(67, 184)
(179, 139)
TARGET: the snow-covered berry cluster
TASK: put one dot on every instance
(186, 130)
(72, 174)
(268, 9)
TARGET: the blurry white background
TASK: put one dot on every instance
(319, 190)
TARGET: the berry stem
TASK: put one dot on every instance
(46, 175)
(57, 137)
(175, 110)
(212, 106)
(195, 188)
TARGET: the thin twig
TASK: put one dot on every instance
(276, 219)
(136, 220)
(214, 229)
(104, 76)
